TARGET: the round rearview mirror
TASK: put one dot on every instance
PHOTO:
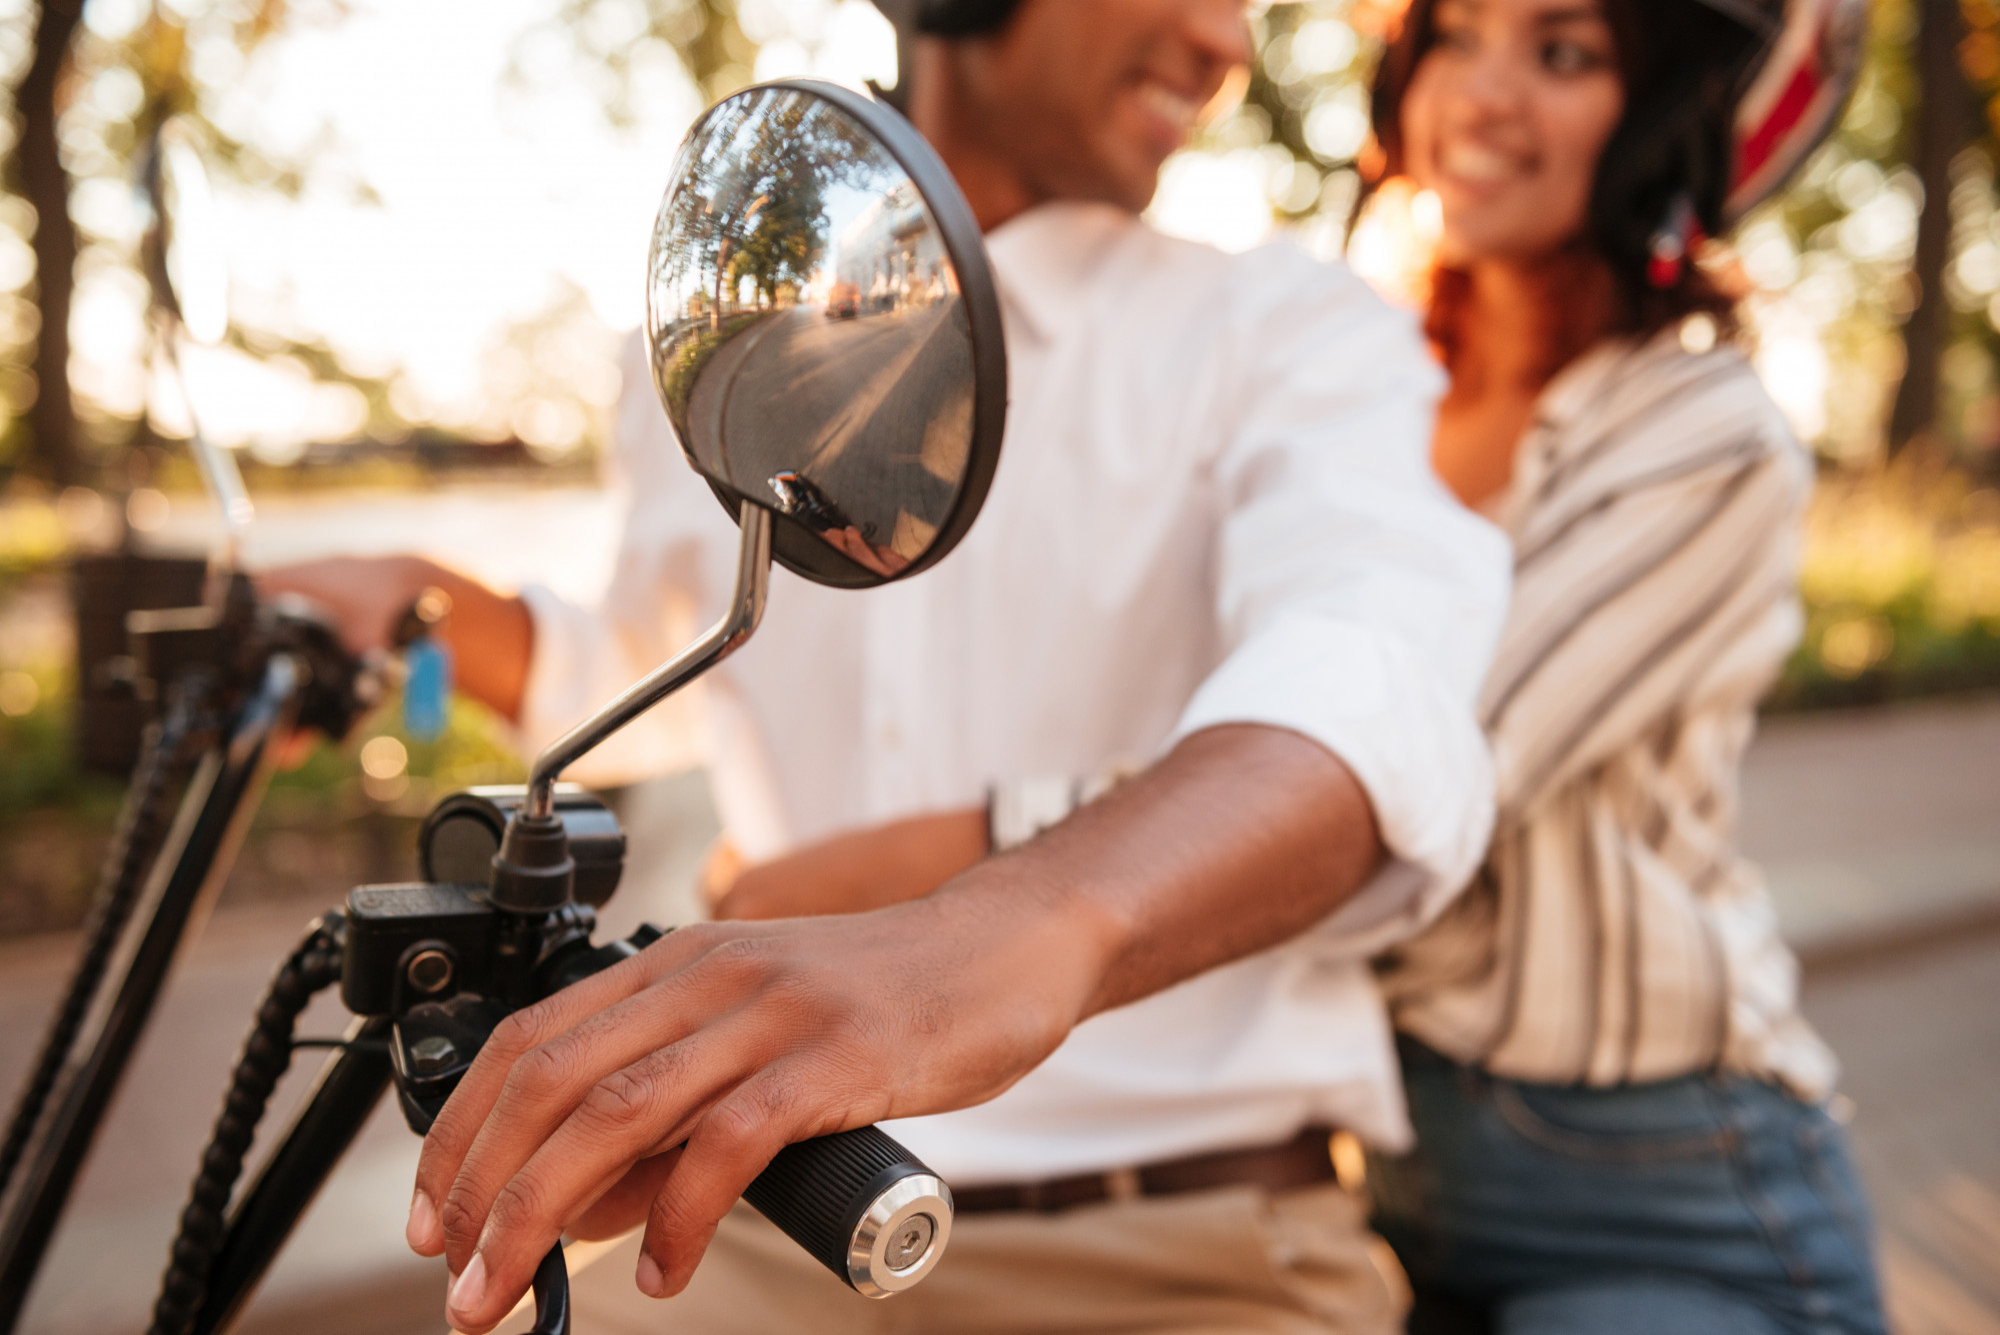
(823, 330)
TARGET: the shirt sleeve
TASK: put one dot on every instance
(1360, 602)
(676, 544)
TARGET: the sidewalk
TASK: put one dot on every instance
(1877, 824)
(1878, 830)
(103, 1271)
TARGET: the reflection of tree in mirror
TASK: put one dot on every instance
(748, 224)
(753, 207)
(785, 241)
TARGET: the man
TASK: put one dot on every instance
(1214, 542)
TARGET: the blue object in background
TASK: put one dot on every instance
(426, 688)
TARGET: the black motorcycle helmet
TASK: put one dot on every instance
(948, 18)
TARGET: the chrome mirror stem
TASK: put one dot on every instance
(217, 465)
(746, 609)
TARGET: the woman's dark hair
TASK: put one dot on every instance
(1682, 65)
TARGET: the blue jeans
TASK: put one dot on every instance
(1707, 1205)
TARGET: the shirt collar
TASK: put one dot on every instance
(1044, 259)
(1578, 394)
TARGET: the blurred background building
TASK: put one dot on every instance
(435, 217)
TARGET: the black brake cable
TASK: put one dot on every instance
(313, 966)
(142, 828)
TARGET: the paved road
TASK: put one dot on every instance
(1878, 821)
(796, 390)
(1903, 977)
(1918, 1033)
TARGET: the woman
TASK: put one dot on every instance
(1619, 1109)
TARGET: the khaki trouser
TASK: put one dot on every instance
(1201, 1263)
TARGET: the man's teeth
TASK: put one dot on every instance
(1168, 105)
(1471, 162)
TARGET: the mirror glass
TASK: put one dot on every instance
(823, 330)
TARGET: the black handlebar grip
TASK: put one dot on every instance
(862, 1205)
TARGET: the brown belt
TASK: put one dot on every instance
(1300, 1162)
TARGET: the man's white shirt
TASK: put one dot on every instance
(1214, 505)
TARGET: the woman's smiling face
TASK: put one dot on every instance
(1506, 116)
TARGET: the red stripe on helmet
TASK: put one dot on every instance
(1755, 149)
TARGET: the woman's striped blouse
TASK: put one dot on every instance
(1615, 932)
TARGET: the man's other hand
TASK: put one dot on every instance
(858, 871)
(491, 635)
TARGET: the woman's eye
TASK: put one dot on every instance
(1562, 57)
(1455, 36)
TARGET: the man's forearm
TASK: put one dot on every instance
(1240, 838)
(680, 1072)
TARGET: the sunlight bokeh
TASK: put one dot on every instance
(467, 181)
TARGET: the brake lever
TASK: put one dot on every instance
(552, 1294)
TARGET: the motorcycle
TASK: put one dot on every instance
(839, 478)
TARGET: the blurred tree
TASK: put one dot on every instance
(614, 39)
(1943, 126)
(1306, 95)
(89, 102)
(42, 180)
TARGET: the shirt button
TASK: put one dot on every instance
(891, 736)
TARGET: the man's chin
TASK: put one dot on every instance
(1131, 191)
(1131, 179)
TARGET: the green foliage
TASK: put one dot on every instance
(320, 827)
(692, 350)
(613, 41)
(1307, 96)
(1901, 581)
(129, 70)
(31, 539)
(40, 771)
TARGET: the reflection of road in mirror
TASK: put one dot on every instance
(875, 412)
(805, 318)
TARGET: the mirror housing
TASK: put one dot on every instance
(824, 333)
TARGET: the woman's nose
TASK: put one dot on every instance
(1490, 83)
